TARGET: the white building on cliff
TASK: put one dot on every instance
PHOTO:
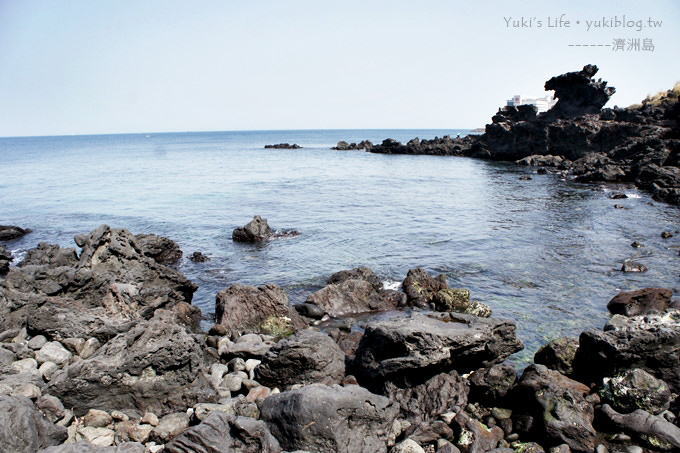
(542, 104)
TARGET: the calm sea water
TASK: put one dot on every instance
(545, 253)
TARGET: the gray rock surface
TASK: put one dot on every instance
(223, 433)
(417, 347)
(636, 389)
(489, 386)
(245, 308)
(558, 355)
(153, 367)
(648, 342)
(321, 418)
(99, 293)
(24, 429)
(348, 297)
(556, 407)
(161, 249)
(442, 393)
(305, 358)
(653, 430)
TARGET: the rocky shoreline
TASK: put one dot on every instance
(578, 138)
(101, 350)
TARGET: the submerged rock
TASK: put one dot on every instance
(322, 418)
(8, 232)
(257, 230)
(415, 348)
(283, 146)
(633, 266)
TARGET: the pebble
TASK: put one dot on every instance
(119, 416)
(150, 418)
(48, 369)
(97, 419)
(25, 365)
(101, 437)
(407, 446)
(232, 382)
(37, 342)
(53, 352)
(218, 370)
(30, 391)
(237, 364)
(6, 357)
(74, 344)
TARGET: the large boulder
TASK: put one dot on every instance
(257, 230)
(155, 367)
(244, 308)
(350, 296)
(305, 358)
(417, 347)
(420, 287)
(322, 418)
(489, 386)
(359, 273)
(223, 433)
(24, 429)
(640, 302)
(649, 342)
(558, 355)
(554, 409)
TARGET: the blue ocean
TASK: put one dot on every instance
(544, 252)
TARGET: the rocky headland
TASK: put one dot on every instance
(578, 137)
(101, 350)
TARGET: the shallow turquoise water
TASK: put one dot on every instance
(544, 252)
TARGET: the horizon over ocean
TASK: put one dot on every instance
(545, 253)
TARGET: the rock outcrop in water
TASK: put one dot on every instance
(258, 230)
(638, 144)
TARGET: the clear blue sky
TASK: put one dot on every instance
(104, 66)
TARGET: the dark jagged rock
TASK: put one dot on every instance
(257, 230)
(637, 389)
(649, 342)
(101, 292)
(161, 249)
(558, 355)
(421, 288)
(474, 436)
(415, 348)
(5, 259)
(344, 146)
(24, 429)
(554, 408)
(640, 302)
(153, 367)
(489, 386)
(307, 357)
(655, 431)
(8, 232)
(247, 309)
(223, 433)
(578, 93)
(541, 161)
(446, 392)
(350, 296)
(283, 146)
(322, 418)
(198, 257)
(359, 273)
